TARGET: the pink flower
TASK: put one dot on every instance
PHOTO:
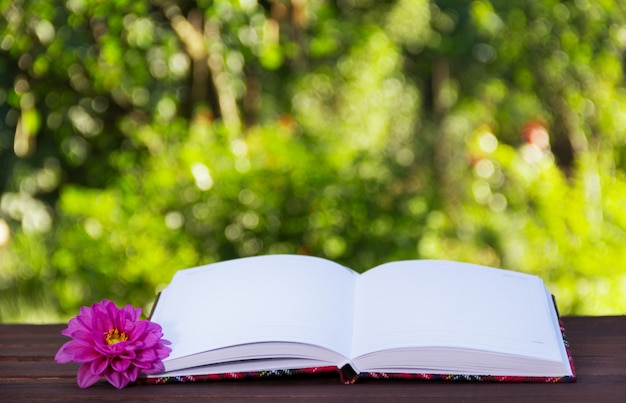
(112, 343)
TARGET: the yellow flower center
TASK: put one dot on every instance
(114, 336)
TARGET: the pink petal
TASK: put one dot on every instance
(128, 326)
(127, 355)
(84, 317)
(73, 351)
(85, 378)
(104, 315)
(85, 311)
(151, 339)
(132, 374)
(65, 353)
(99, 365)
(138, 328)
(83, 337)
(120, 365)
(137, 313)
(162, 351)
(143, 365)
(103, 349)
(155, 328)
(131, 312)
(156, 366)
(116, 379)
(82, 321)
(86, 355)
(116, 317)
(119, 349)
(100, 320)
(147, 355)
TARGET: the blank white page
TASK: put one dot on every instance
(260, 299)
(448, 304)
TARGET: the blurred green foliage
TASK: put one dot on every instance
(142, 137)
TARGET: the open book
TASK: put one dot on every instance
(423, 318)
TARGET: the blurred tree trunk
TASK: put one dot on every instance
(443, 147)
(204, 46)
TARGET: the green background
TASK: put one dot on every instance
(142, 137)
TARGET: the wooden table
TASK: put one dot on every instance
(28, 372)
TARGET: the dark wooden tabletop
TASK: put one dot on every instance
(598, 345)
